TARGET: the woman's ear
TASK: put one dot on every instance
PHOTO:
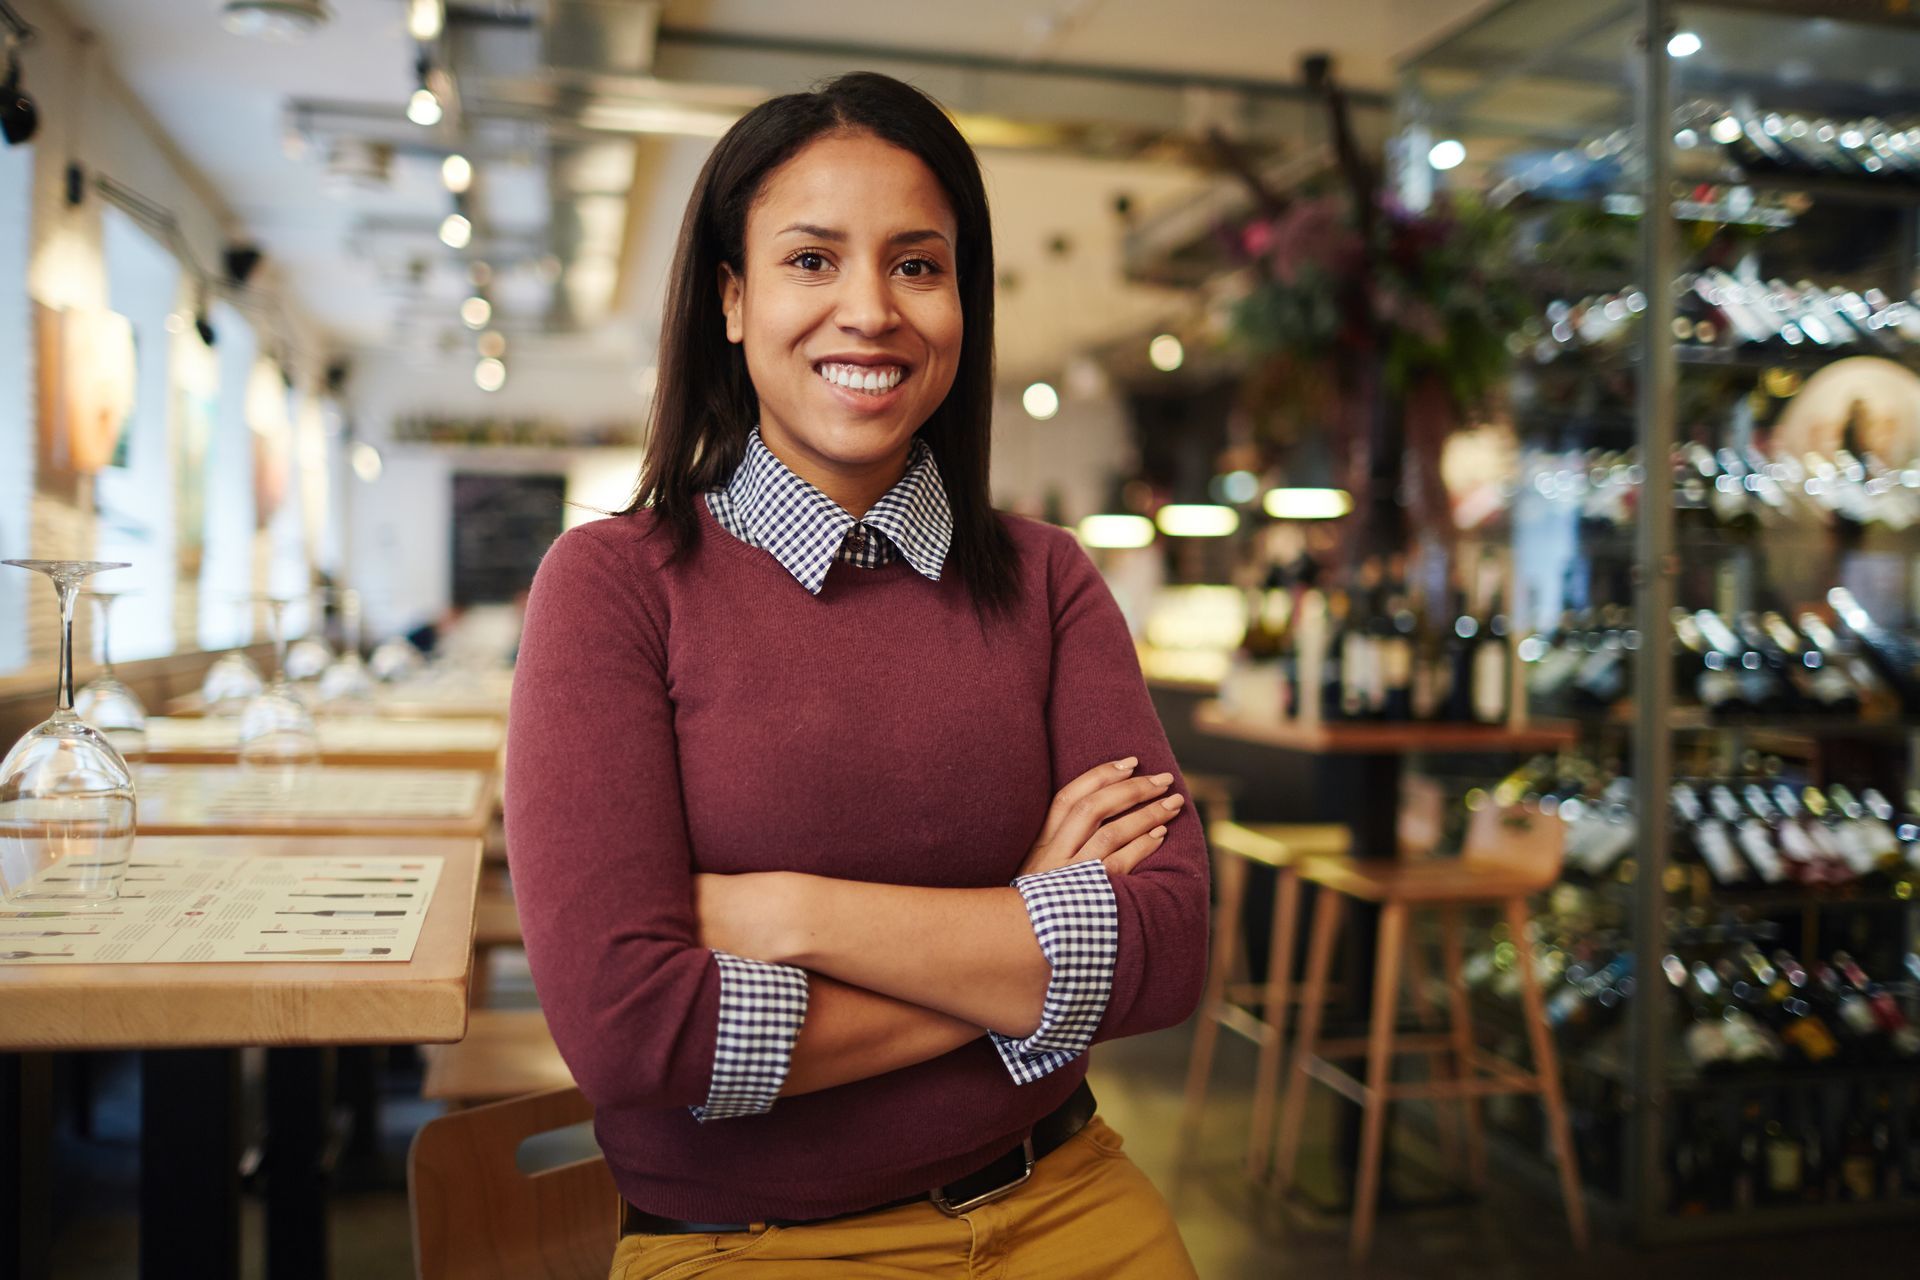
(732, 295)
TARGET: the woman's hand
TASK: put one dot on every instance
(1074, 830)
(749, 915)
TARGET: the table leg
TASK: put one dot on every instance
(190, 1163)
(26, 1166)
(299, 1097)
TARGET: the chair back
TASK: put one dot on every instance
(476, 1216)
(1524, 842)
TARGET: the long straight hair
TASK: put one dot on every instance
(704, 405)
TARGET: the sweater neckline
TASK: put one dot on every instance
(714, 532)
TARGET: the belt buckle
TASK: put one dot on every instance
(953, 1210)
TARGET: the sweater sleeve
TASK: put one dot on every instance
(1098, 709)
(602, 869)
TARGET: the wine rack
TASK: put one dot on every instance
(1715, 529)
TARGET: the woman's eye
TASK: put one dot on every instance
(927, 267)
(808, 261)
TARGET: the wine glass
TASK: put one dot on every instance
(395, 660)
(66, 795)
(105, 702)
(348, 682)
(309, 656)
(232, 681)
(276, 729)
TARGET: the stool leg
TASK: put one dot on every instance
(1327, 910)
(1278, 998)
(1231, 877)
(1461, 1018)
(1386, 993)
(1546, 1064)
(1439, 1061)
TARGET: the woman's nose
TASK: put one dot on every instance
(865, 303)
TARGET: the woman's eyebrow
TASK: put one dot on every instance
(830, 233)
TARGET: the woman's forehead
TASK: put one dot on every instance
(858, 186)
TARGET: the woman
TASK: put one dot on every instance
(839, 817)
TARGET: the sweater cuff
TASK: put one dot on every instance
(761, 1008)
(1077, 922)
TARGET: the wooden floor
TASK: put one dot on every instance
(1233, 1232)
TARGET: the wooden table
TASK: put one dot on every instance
(406, 702)
(328, 800)
(360, 740)
(191, 1018)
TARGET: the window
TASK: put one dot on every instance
(16, 404)
(226, 563)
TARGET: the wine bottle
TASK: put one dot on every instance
(1396, 627)
(1830, 864)
(1797, 849)
(1846, 839)
(1792, 679)
(1878, 842)
(1709, 837)
(1701, 667)
(1359, 657)
(1805, 1028)
(1825, 685)
(1759, 691)
(1602, 678)
(1753, 837)
(1903, 1038)
(1894, 656)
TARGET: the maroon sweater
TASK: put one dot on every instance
(716, 717)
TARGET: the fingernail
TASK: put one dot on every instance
(1157, 832)
(1173, 802)
(1128, 763)
(1163, 778)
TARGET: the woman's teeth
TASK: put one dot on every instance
(875, 379)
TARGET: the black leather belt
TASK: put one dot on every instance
(983, 1186)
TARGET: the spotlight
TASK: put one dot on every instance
(1040, 401)
(456, 231)
(1166, 353)
(490, 374)
(1684, 44)
(423, 108)
(1446, 154)
(426, 19)
(456, 171)
(204, 327)
(18, 116)
(475, 312)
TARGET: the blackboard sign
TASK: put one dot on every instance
(502, 525)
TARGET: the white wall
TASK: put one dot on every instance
(16, 406)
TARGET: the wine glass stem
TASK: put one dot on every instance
(68, 591)
(276, 614)
(106, 637)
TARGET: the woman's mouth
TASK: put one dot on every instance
(874, 380)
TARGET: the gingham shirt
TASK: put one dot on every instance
(1072, 909)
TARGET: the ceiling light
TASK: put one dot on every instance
(1166, 353)
(490, 374)
(475, 312)
(456, 231)
(1040, 401)
(480, 273)
(423, 108)
(366, 462)
(1683, 44)
(457, 172)
(1308, 504)
(281, 20)
(1446, 154)
(18, 116)
(1115, 531)
(426, 19)
(492, 343)
(1196, 520)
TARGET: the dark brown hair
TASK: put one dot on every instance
(704, 406)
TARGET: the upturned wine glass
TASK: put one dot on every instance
(276, 729)
(106, 702)
(67, 804)
(348, 683)
(310, 656)
(233, 680)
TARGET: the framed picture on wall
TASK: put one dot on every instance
(87, 374)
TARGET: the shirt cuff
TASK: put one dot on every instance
(1077, 923)
(761, 1008)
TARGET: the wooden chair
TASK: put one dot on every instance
(1509, 854)
(507, 1053)
(496, 924)
(476, 1216)
(1255, 1011)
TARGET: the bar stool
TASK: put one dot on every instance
(1255, 1011)
(1509, 854)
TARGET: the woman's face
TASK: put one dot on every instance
(849, 279)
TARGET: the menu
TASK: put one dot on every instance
(235, 795)
(220, 908)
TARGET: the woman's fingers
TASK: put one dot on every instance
(1101, 775)
(1091, 812)
(1130, 855)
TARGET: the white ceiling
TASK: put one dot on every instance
(219, 97)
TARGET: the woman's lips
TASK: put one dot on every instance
(866, 401)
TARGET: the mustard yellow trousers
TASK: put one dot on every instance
(1087, 1211)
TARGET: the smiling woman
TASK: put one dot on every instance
(840, 821)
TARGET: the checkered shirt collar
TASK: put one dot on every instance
(805, 530)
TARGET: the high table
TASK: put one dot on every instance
(448, 699)
(374, 741)
(190, 1019)
(1352, 773)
